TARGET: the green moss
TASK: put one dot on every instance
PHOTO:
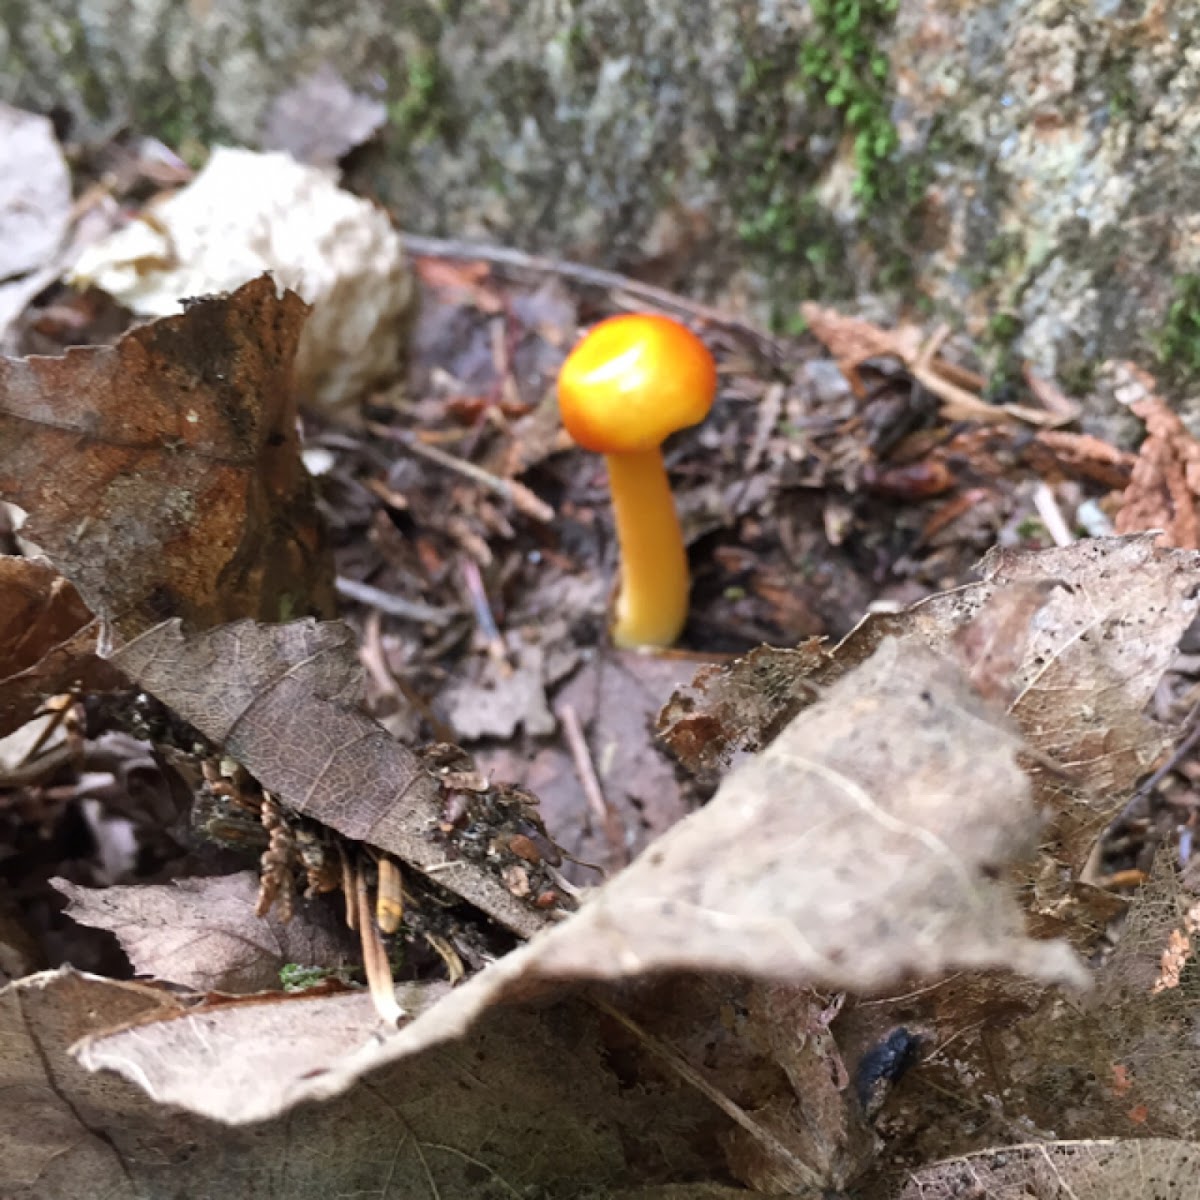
(846, 71)
(524, 89)
(1178, 343)
(838, 70)
(582, 54)
(181, 116)
(1121, 91)
(1031, 529)
(1004, 328)
(999, 350)
(294, 977)
(835, 85)
(1077, 375)
(421, 109)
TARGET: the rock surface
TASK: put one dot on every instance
(1024, 168)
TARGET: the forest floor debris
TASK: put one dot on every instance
(938, 771)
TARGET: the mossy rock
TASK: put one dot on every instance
(1035, 158)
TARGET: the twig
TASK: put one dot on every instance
(770, 409)
(375, 960)
(1185, 746)
(35, 770)
(482, 608)
(590, 781)
(349, 892)
(1046, 504)
(532, 264)
(57, 709)
(803, 1172)
(394, 606)
(390, 684)
(477, 1162)
(517, 494)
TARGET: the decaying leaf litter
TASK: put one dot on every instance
(472, 559)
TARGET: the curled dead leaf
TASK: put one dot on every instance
(46, 644)
(530, 1108)
(283, 701)
(204, 933)
(863, 848)
(1080, 673)
(38, 611)
(162, 476)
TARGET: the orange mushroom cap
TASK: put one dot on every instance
(632, 381)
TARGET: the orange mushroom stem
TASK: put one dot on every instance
(630, 383)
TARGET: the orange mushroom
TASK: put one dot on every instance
(632, 381)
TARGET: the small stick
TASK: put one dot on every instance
(394, 606)
(517, 494)
(1046, 504)
(446, 952)
(374, 658)
(348, 889)
(375, 959)
(57, 708)
(590, 781)
(770, 408)
(389, 896)
(675, 1061)
(1186, 745)
(483, 612)
(37, 769)
(642, 293)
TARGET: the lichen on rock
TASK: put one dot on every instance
(1035, 158)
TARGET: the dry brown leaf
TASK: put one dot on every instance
(163, 475)
(53, 1140)
(19, 954)
(765, 1049)
(282, 700)
(1081, 454)
(526, 1107)
(853, 340)
(1165, 486)
(744, 705)
(489, 697)
(1096, 1170)
(1093, 655)
(995, 643)
(858, 849)
(1120, 1060)
(204, 933)
(73, 665)
(38, 611)
(1130, 1046)
(44, 647)
(862, 848)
